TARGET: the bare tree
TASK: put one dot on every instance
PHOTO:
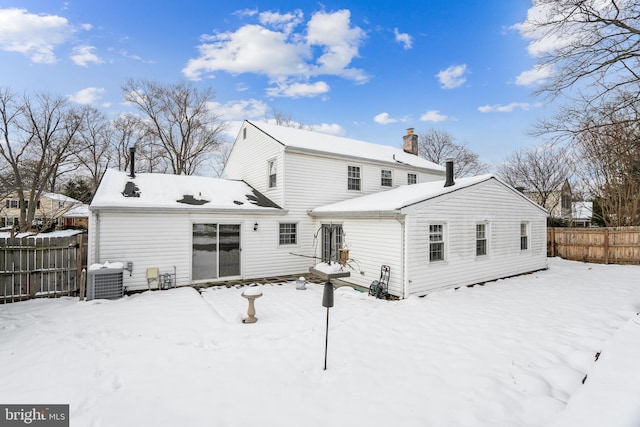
(540, 172)
(95, 137)
(591, 43)
(605, 143)
(179, 118)
(281, 118)
(37, 137)
(438, 145)
(609, 146)
(131, 131)
(221, 157)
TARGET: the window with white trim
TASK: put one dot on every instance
(524, 236)
(353, 178)
(412, 178)
(273, 175)
(481, 239)
(288, 234)
(436, 242)
(386, 178)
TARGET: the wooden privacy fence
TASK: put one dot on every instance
(618, 245)
(33, 267)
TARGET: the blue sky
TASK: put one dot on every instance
(361, 69)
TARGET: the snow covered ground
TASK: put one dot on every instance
(510, 353)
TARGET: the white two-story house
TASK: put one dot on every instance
(292, 198)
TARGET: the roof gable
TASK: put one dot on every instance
(155, 190)
(315, 142)
(407, 195)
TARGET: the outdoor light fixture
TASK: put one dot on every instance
(255, 227)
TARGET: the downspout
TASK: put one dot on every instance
(96, 239)
(403, 258)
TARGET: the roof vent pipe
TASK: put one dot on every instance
(132, 162)
(449, 177)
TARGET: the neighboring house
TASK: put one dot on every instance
(76, 217)
(558, 203)
(582, 214)
(51, 209)
(280, 212)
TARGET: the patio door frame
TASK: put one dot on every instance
(218, 224)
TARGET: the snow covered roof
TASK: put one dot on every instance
(582, 210)
(60, 197)
(77, 211)
(304, 140)
(392, 201)
(164, 191)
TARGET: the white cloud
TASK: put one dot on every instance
(240, 110)
(35, 36)
(275, 49)
(452, 77)
(433, 116)
(126, 54)
(87, 96)
(245, 12)
(250, 49)
(384, 119)
(497, 108)
(83, 55)
(297, 90)
(286, 22)
(540, 42)
(403, 38)
(340, 43)
(537, 74)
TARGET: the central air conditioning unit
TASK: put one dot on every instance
(105, 283)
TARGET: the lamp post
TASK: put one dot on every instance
(327, 301)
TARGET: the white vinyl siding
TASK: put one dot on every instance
(371, 250)
(248, 162)
(306, 180)
(143, 238)
(489, 199)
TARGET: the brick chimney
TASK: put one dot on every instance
(410, 144)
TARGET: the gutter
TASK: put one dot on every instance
(153, 209)
(355, 214)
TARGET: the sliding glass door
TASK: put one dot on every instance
(215, 251)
